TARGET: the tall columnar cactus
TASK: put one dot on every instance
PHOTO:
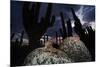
(63, 30)
(88, 38)
(33, 28)
(90, 41)
(21, 38)
(44, 39)
(17, 42)
(47, 37)
(69, 28)
(78, 26)
(12, 35)
(56, 38)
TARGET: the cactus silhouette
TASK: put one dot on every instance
(33, 28)
(44, 39)
(69, 28)
(21, 38)
(47, 37)
(78, 26)
(88, 38)
(56, 38)
(12, 36)
(63, 30)
(90, 41)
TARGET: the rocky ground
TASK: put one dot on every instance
(39, 56)
(75, 49)
(71, 50)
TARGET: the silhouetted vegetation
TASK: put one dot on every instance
(88, 38)
(33, 27)
(35, 30)
(63, 30)
(69, 28)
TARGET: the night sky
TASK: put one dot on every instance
(85, 13)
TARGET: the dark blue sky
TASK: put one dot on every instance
(86, 14)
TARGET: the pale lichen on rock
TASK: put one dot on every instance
(71, 50)
(39, 56)
(75, 49)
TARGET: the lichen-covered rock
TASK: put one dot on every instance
(75, 49)
(72, 49)
(40, 56)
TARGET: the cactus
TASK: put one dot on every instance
(12, 35)
(56, 38)
(90, 41)
(21, 38)
(17, 42)
(63, 31)
(44, 39)
(69, 28)
(47, 37)
(78, 26)
(63, 26)
(88, 38)
(33, 28)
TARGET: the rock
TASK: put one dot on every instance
(41, 56)
(71, 50)
(75, 49)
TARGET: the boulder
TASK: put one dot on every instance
(41, 56)
(71, 50)
(75, 49)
